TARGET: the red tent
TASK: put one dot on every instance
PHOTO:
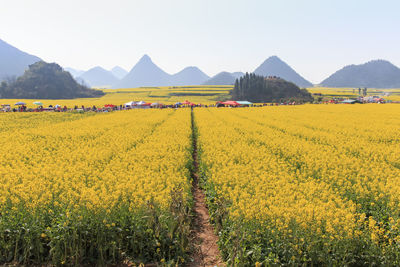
(230, 103)
(109, 106)
(188, 103)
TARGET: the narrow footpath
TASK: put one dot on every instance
(205, 240)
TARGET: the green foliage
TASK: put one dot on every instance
(46, 81)
(59, 236)
(257, 88)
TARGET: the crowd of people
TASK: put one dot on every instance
(22, 107)
(94, 108)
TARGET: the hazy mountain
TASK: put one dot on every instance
(119, 72)
(46, 81)
(81, 81)
(13, 62)
(74, 72)
(274, 66)
(188, 76)
(99, 77)
(237, 74)
(222, 78)
(376, 74)
(144, 73)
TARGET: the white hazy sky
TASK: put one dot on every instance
(315, 37)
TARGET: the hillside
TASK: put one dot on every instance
(147, 74)
(274, 66)
(375, 74)
(257, 88)
(98, 77)
(188, 76)
(13, 62)
(119, 72)
(144, 73)
(237, 74)
(223, 78)
(46, 81)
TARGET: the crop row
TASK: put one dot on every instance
(95, 189)
(303, 185)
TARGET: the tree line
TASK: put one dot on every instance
(256, 88)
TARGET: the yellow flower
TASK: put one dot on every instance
(313, 165)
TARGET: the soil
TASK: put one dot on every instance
(206, 248)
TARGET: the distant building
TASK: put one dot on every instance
(272, 78)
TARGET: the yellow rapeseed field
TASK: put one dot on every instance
(285, 185)
(84, 188)
(304, 184)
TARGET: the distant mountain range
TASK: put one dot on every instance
(273, 66)
(147, 74)
(13, 62)
(375, 74)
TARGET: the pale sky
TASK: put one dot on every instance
(315, 37)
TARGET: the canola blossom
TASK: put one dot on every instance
(313, 184)
(285, 185)
(92, 189)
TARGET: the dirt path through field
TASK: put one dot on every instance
(206, 248)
